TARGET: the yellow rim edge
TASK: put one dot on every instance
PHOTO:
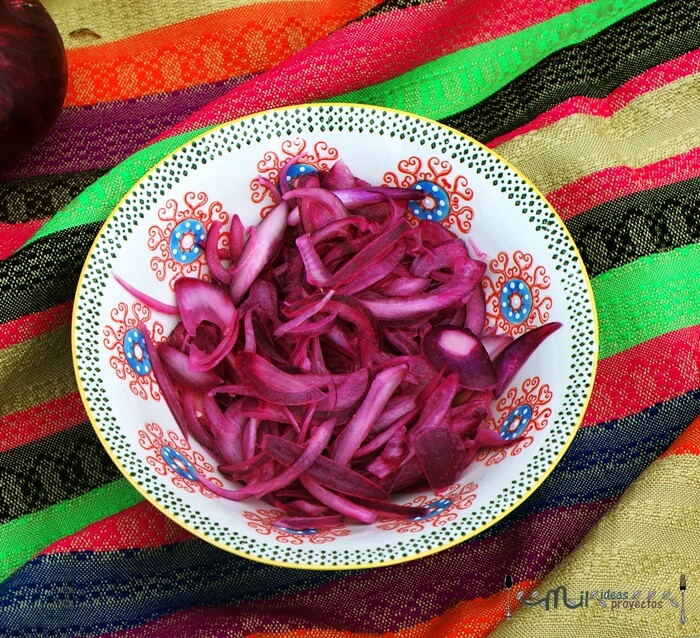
(151, 499)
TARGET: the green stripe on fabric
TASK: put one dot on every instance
(647, 298)
(593, 68)
(97, 202)
(459, 80)
(36, 371)
(23, 538)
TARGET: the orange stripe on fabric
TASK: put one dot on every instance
(13, 236)
(207, 49)
(471, 619)
(29, 326)
(137, 527)
(686, 443)
(651, 372)
(20, 428)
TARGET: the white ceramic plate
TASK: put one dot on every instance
(535, 275)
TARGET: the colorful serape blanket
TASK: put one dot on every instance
(597, 102)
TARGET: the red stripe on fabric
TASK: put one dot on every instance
(651, 372)
(29, 326)
(611, 183)
(13, 236)
(138, 527)
(347, 59)
(20, 428)
(651, 80)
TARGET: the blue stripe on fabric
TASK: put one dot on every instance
(86, 593)
(90, 593)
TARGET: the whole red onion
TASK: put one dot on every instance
(33, 76)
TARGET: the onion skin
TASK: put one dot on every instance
(33, 76)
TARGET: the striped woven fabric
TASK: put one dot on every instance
(597, 102)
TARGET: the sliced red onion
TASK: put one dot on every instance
(152, 303)
(307, 314)
(312, 450)
(441, 454)
(380, 246)
(327, 472)
(353, 198)
(284, 183)
(316, 272)
(339, 176)
(514, 356)
(333, 205)
(272, 384)
(387, 508)
(211, 251)
(345, 320)
(256, 255)
(337, 502)
(177, 365)
(226, 429)
(274, 192)
(459, 350)
(355, 432)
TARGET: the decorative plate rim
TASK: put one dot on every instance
(153, 500)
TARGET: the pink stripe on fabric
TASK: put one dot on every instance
(137, 527)
(12, 236)
(652, 372)
(615, 182)
(651, 80)
(347, 59)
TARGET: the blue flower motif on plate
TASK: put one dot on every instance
(435, 203)
(516, 422)
(516, 301)
(179, 463)
(186, 240)
(135, 351)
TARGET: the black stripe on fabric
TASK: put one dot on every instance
(625, 229)
(55, 468)
(593, 68)
(27, 198)
(390, 5)
(45, 273)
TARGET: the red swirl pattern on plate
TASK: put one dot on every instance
(263, 522)
(518, 267)
(126, 319)
(153, 440)
(439, 172)
(536, 396)
(321, 157)
(174, 214)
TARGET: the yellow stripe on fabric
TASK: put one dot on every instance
(643, 543)
(653, 127)
(36, 371)
(23, 538)
(116, 19)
